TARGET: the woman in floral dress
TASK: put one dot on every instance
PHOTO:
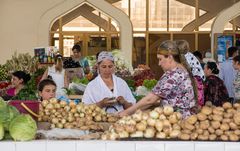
(214, 89)
(236, 83)
(174, 88)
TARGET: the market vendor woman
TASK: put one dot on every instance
(19, 79)
(174, 88)
(107, 90)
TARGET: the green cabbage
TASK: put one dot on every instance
(1, 131)
(2, 103)
(7, 113)
(23, 128)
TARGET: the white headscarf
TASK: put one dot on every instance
(104, 55)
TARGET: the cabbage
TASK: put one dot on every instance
(2, 103)
(23, 128)
(1, 131)
(7, 113)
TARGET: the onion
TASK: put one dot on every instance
(159, 110)
(159, 125)
(113, 136)
(44, 103)
(162, 117)
(72, 104)
(49, 106)
(149, 133)
(173, 119)
(151, 122)
(141, 126)
(98, 118)
(81, 114)
(123, 134)
(154, 114)
(63, 103)
(67, 108)
(130, 128)
(59, 125)
(63, 121)
(174, 133)
(73, 110)
(54, 120)
(161, 135)
(167, 110)
(137, 134)
(145, 116)
(137, 116)
(131, 122)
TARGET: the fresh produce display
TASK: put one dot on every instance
(22, 61)
(141, 73)
(71, 115)
(23, 128)
(213, 123)
(149, 83)
(123, 68)
(4, 75)
(162, 123)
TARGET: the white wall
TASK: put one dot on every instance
(25, 24)
(19, 21)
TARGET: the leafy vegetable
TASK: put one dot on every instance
(1, 131)
(149, 84)
(23, 128)
(78, 81)
(131, 83)
(7, 113)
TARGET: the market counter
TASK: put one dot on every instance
(73, 145)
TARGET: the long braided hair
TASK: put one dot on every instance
(178, 51)
(183, 48)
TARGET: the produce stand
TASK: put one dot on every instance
(95, 145)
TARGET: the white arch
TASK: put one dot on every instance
(126, 38)
(222, 18)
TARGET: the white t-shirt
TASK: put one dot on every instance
(97, 90)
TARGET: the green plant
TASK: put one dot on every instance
(22, 61)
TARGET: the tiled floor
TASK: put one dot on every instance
(72, 145)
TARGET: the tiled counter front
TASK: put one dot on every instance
(71, 145)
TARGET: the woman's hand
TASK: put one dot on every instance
(121, 100)
(105, 103)
(122, 113)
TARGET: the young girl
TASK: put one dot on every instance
(58, 75)
(47, 89)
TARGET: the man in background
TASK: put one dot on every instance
(227, 72)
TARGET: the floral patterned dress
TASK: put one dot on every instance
(236, 84)
(175, 89)
(215, 91)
